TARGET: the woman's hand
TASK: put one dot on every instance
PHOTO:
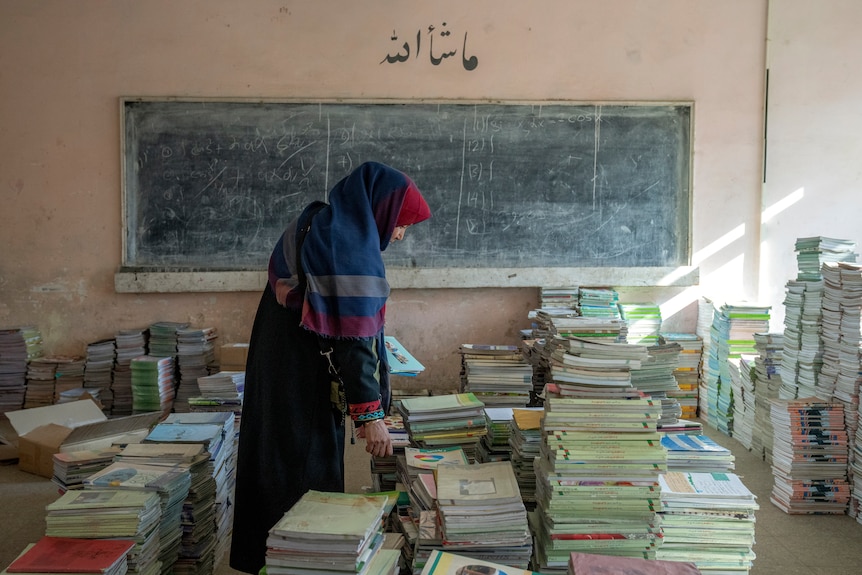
(377, 440)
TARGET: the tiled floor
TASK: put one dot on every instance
(794, 544)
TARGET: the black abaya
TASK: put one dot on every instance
(291, 435)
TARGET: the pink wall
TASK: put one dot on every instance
(64, 66)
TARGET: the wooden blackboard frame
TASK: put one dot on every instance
(132, 278)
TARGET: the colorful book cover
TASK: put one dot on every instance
(445, 563)
(69, 555)
(401, 361)
(427, 458)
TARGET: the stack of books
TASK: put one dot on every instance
(592, 328)
(813, 252)
(802, 350)
(71, 467)
(655, 378)
(767, 386)
(498, 375)
(99, 370)
(526, 443)
(131, 343)
(456, 419)
(543, 320)
(163, 338)
(216, 432)
(331, 533)
(707, 519)
(581, 366)
(481, 513)
(13, 368)
(172, 485)
(41, 385)
(687, 372)
(699, 453)
(810, 457)
(152, 384)
(703, 329)
(70, 554)
(597, 479)
(732, 335)
(643, 321)
(559, 297)
(197, 545)
(69, 377)
(495, 445)
(598, 302)
(223, 392)
(195, 359)
(742, 391)
(222, 385)
(132, 515)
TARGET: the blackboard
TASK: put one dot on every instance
(210, 185)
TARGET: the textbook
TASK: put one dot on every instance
(445, 563)
(594, 564)
(336, 517)
(431, 458)
(71, 555)
(401, 361)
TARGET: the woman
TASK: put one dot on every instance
(316, 352)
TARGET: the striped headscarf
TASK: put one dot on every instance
(346, 289)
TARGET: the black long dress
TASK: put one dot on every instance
(291, 434)
(292, 431)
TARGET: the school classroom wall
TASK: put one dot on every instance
(65, 65)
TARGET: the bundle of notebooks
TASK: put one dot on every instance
(131, 515)
(499, 375)
(445, 420)
(810, 457)
(597, 479)
(688, 452)
(707, 519)
(482, 514)
(332, 534)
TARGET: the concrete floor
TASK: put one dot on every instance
(786, 545)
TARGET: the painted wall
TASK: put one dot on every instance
(64, 66)
(813, 172)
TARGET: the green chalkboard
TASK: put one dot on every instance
(210, 185)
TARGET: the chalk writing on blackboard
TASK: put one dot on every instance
(211, 184)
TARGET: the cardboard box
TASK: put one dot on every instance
(233, 357)
(72, 426)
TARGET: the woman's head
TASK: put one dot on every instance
(392, 197)
(346, 279)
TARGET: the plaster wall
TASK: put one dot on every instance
(65, 65)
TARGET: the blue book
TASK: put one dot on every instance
(401, 362)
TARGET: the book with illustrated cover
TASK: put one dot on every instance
(431, 458)
(71, 555)
(401, 361)
(445, 563)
